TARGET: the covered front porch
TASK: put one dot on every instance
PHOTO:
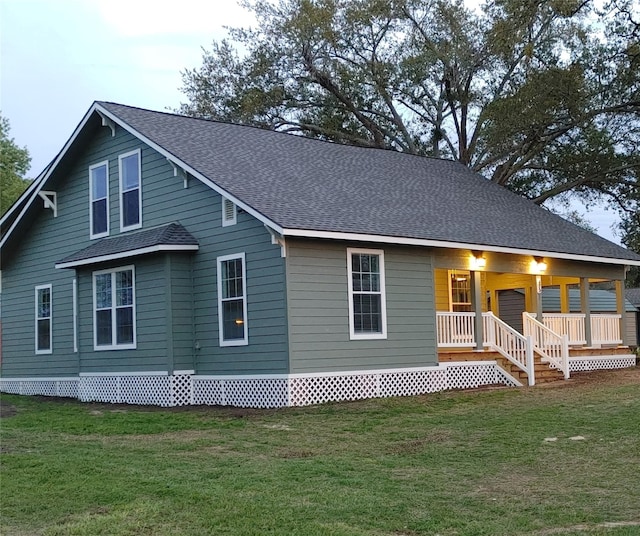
(521, 312)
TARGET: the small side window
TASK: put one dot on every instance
(43, 320)
(232, 300)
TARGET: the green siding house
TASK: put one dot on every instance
(167, 260)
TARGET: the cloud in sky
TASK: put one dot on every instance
(58, 56)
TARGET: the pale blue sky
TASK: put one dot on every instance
(58, 56)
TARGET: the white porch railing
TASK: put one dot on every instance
(455, 330)
(605, 329)
(552, 348)
(571, 325)
(502, 338)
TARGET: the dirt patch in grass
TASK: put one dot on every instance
(7, 410)
(628, 376)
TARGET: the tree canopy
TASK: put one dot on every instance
(14, 164)
(540, 96)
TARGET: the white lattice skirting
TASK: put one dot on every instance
(275, 391)
(584, 364)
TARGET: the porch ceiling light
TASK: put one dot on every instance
(539, 264)
(478, 262)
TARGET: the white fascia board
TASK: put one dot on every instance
(382, 239)
(186, 167)
(126, 254)
(37, 184)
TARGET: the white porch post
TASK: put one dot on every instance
(621, 310)
(585, 308)
(476, 289)
(538, 297)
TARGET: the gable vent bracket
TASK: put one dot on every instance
(50, 201)
(278, 239)
(107, 122)
(179, 172)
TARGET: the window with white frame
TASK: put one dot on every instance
(130, 191)
(99, 199)
(460, 284)
(114, 324)
(232, 300)
(367, 300)
(229, 212)
(43, 319)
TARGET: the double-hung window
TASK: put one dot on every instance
(114, 325)
(99, 205)
(43, 319)
(232, 300)
(367, 301)
(130, 191)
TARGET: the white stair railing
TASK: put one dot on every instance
(513, 346)
(552, 348)
(569, 324)
(605, 329)
(455, 330)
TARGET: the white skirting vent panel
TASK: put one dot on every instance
(584, 364)
(283, 390)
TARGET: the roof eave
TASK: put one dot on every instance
(382, 239)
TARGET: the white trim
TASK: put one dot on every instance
(114, 307)
(382, 292)
(183, 372)
(74, 305)
(105, 164)
(116, 374)
(226, 222)
(127, 254)
(385, 239)
(121, 190)
(50, 318)
(245, 340)
(41, 379)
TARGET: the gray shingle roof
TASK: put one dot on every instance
(170, 235)
(633, 295)
(300, 183)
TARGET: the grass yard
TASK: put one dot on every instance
(506, 461)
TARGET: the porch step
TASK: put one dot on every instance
(543, 373)
(469, 355)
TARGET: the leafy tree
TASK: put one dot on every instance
(540, 96)
(14, 163)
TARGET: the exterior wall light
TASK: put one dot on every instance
(539, 265)
(478, 262)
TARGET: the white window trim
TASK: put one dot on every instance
(121, 190)
(50, 349)
(383, 296)
(234, 342)
(114, 346)
(91, 200)
(74, 294)
(231, 221)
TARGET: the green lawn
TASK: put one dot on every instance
(457, 463)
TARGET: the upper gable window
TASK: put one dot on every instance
(99, 204)
(229, 212)
(130, 191)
